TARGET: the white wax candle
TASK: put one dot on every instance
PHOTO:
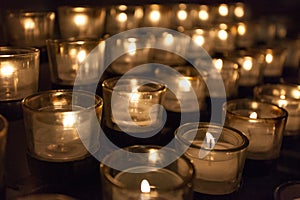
(161, 178)
(215, 166)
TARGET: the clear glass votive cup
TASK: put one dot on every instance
(286, 96)
(132, 104)
(263, 124)
(27, 28)
(69, 61)
(19, 72)
(3, 138)
(120, 18)
(62, 125)
(218, 154)
(186, 91)
(146, 172)
(287, 190)
(81, 22)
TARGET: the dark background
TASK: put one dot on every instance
(287, 8)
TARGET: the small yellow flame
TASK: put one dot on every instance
(155, 15)
(269, 58)
(29, 24)
(222, 34)
(241, 29)
(282, 102)
(239, 11)
(7, 70)
(199, 39)
(122, 7)
(81, 56)
(184, 85)
(247, 64)
(218, 64)
(223, 10)
(253, 115)
(168, 39)
(80, 20)
(210, 140)
(182, 15)
(122, 17)
(69, 120)
(145, 186)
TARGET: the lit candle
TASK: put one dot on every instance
(262, 123)
(132, 104)
(224, 37)
(19, 69)
(285, 96)
(62, 125)
(218, 160)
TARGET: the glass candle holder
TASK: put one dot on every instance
(3, 138)
(202, 15)
(218, 154)
(29, 28)
(181, 18)
(170, 43)
(179, 95)
(285, 96)
(251, 70)
(45, 196)
(120, 18)
(60, 124)
(229, 71)
(245, 36)
(81, 22)
(69, 61)
(224, 37)
(287, 190)
(136, 54)
(262, 123)
(19, 72)
(147, 175)
(157, 15)
(274, 62)
(137, 101)
(201, 38)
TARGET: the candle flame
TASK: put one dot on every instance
(241, 29)
(81, 56)
(168, 39)
(199, 40)
(247, 64)
(69, 120)
(7, 70)
(282, 102)
(122, 17)
(222, 34)
(210, 140)
(239, 11)
(223, 10)
(269, 58)
(253, 115)
(218, 64)
(145, 186)
(182, 15)
(155, 15)
(80, 20)
(132, 48)
(203, 15)
(29, 24)
(184, 85)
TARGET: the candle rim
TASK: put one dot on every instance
(282, 115)
(196, 126)
(13, 51)
(98, 104)
(260, 91)
(186, 180)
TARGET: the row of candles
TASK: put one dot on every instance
(64, 126)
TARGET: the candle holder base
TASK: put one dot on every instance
(122, 139)
(86, 169)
